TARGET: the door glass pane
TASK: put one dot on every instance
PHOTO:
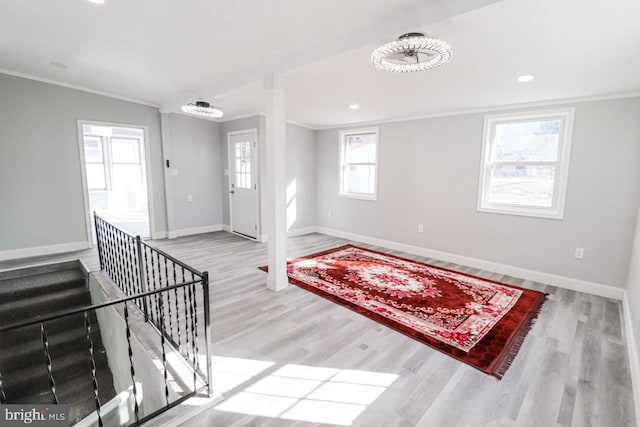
(360, 148)
(522, 185)
(359, 178)
(92, 149)
(95, 176)
(242, 164)
(125, 150)
(526, 141)
(125, 177)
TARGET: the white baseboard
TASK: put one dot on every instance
(226, 227)
(522, 273)
(294, 233)
(632, 349)
(302, 231)
(159, 235)
(195, 230)
(43, 250)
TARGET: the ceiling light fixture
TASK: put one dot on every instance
(525, 78)
(202, 108)
(411, 52)
(96, 1)
(354, 106)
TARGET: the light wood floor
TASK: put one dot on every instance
(572, 369)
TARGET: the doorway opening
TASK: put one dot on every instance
(115, 176)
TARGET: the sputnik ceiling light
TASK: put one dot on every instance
(411, 52)
(202, 108)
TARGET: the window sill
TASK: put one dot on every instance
(371, 198)
(523, 211)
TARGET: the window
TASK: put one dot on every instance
(93, 154)
(125, 161)
(525, 163)
(358, 163)
(242, 158)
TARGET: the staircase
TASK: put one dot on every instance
(30, 293)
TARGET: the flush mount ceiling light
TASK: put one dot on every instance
(96, 1)
(202, 108)
(411, 52)
(525, 78)
(354, 106)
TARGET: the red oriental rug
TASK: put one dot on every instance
(477, 321)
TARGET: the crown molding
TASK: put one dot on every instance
(76, 87)
(487, 109)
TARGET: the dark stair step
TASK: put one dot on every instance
(43, 305)
(19, 288)
(33, 270)
(31, 353)
(78, 393)
(17, 338)
(19, 385)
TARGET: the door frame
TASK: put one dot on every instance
(254, 131)
(83, 172)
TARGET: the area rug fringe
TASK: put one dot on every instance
(516, 342)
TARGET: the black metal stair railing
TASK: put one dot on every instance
(124, 302)
(153, 282)
(138, 267)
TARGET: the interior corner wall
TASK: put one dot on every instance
(300, 168)
(41, 196)
(195, 151)
(300, 177)
(428, 174)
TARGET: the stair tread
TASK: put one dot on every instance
(15, 311)
(65, 368)
(64, 343)
(14, 287)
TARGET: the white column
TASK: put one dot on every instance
(276, 184)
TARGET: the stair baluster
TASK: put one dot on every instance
(87, 324)
(47, 359)
(193, 340)
(136, 409)
(3, 397)
(164, 354)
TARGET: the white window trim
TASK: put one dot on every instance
(341, 139)
(556, 211)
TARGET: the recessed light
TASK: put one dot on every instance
(354, 106)
(525, 78)
(97, 1)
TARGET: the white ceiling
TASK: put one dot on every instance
(165, 52)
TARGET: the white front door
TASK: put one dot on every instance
(243, 188)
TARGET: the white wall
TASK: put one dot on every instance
(301, 175)
(428, 174)
(633, 283)
(41, 197)
(195, 150)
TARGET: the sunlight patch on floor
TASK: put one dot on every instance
(298, 392)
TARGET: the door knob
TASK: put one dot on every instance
(232, 192)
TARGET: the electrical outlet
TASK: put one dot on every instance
(579, 253)
(329, 213)
(189, 198)
(420, 228)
